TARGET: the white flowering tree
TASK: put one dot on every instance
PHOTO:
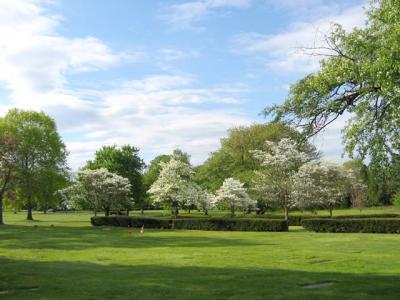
(205, 200)
(281, 162)
(233, 195)
(100, 189)
(321, 184)
(173, 186)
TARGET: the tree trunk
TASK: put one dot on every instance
(29, 206)
(95, 212)
(330, 211)
(107, 212)
(127, 212)
(189, 210)
(142, 211)
(232, 211)
(206, 212)
(1, 210)
(175, 212)
(286, 213)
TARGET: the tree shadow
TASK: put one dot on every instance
(81, 238)
(22, 279)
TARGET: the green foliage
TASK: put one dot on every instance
(361, 225)
(296, 220)
(225, 224)
(360, 76)
(234, 159)
(40, 154)
(396, 201)
(126, 162)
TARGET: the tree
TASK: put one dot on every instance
(234, 159)
(40, 149)
(205, 200)
(51, 180)
(233, 195)
(8, 161)
(359, 75)
(100, 189)
(320, 184)
(173, 184)
(359, 195)
(154, 167)
(124, 161)
(281, 162)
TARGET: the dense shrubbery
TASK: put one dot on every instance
(228, 224)
(376, 225)
(295, 220)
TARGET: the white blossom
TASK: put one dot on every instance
(281, 162)
(233, 195)
(100, 189)
(320, 184)
(174, 186)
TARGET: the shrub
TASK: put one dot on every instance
(228, 224)
(375, 225)
(295, 220)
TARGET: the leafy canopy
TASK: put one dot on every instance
(359, 76)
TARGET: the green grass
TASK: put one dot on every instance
(72, 260)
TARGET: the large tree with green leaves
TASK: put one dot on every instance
(39, 150)
(234, 159)
(126, 162)
(8, 162)
(358, 76)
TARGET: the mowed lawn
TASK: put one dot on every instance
(61, 256)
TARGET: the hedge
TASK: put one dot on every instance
(227, 224)
(296, 220)
(362, 225)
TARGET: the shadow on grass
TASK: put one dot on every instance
(81, 238)
(68, 280)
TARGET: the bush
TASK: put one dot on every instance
(376, 225)
(295, 220)
(126, 221)
(230, 224)
(227, 224)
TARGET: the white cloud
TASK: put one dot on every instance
(157, 121)
(282, 51)
(173, 54)
(187, 15)
(156, 113)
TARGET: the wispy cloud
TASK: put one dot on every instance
(188, 15)
(284, 51)
(156, 113)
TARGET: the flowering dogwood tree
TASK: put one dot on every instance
(173, 186)
(205, 200)
(233, 195)
(281, 163)
(321, 184)
(100, 189)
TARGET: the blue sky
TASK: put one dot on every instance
(160, 74)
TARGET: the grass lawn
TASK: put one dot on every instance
(72, 260)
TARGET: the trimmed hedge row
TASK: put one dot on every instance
(224, 224)
(362, 225)
(296, 220)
